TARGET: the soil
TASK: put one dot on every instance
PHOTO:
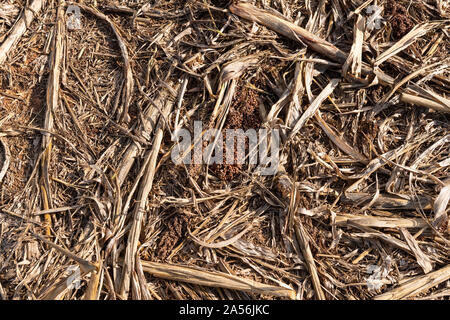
(244, 114)
(400, 20)
(168, 43)
(176, 230)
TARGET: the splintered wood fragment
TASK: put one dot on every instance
(126, 91)
(19, 28)
(52, 101)
(417, 32)
(215, 279)
(417, 285)
(296, 33)
(302, 239)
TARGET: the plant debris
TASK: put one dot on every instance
(357, 207)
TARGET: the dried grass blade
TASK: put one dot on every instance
(388, 201)
(220, 244)
(429, 94)
(423, 102)
(307, 254)
(422, 259)
(376, 164)
(288, 29)
(371, 233)
(339, 142)
(410, 76)
(85, 265)
(417, 32)
(314, 106)
(236, 67)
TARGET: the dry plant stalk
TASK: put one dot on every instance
(314, 106)
(440, 205)
(296, 33)
(150, 119)
(417, 285)
(5, 159)
(406, 41)
(288, 29)
(95, 283)
(85, 265)
(423, 102)
(302, 239)
(52, 101)
(146, 184)
(380, 222)
(59, 289)
(422, 259)
(338, 141)
(19, 28)
(367, 182)
(213, 279)
(354, 59)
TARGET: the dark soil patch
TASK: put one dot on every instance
(176, 229)
(400, 20)
(244, 114)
